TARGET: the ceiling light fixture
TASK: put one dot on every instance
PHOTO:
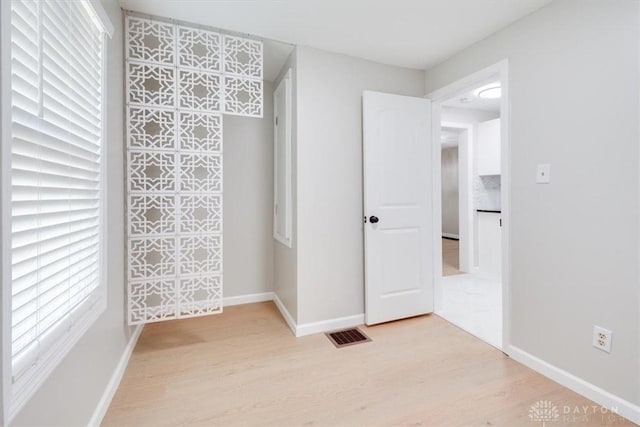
(490, 91)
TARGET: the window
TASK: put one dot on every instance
(282, 161)
(52, 148)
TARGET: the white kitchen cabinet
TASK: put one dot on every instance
(488, 147)
(490, 243)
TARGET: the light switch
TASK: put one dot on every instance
(543, 174)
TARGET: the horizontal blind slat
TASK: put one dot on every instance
(48, 233)
(73, 249)
(62, 60)
(27, 150)
(87, 116)
(27, 208)
(62, 35)
(24, 177)
(56, 75)
(52, 138)
(48, 193)
(73, 17)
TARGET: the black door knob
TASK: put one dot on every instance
(373, 219)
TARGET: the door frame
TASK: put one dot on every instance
(283, 89)
(437, 97)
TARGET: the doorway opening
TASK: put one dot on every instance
(470, 291)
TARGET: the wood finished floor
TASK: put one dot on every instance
(450, 257)
(244, 367)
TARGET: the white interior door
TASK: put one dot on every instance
(398, 197)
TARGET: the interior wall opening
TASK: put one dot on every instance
(471, 282)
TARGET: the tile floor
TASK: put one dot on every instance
(473, 302)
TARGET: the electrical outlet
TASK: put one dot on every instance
(602, 338)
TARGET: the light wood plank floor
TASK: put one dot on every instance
(450, 257)
(244, 367)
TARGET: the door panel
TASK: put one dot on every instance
(401, 251)
(399, 269)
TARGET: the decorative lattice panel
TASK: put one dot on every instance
(151, 85)
(199, 49)
(243, 57)
(243, 96)
(200, 132)
(199, 214)
(150, 41)
(151, 128)
(152, 215)
(199, 90)
(179, 81)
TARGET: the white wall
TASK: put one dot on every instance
(285, 258)
(330, 227)
(574, 84)
(449, 182)
(248, 201)
(71, 393)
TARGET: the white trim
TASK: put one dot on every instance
(285, 313)
(440, 95)
(102, 16)
(316, 327)
(450, 235)
(20, 393)
(284, 85)
(329, 325)
(623, 407)
(116, 378)
(247, 299)
(5, 206)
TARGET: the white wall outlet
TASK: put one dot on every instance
(602, 338)
(543, 174)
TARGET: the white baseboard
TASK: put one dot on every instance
(621, 406)
(451, 236)
(285, 313)
(114, 382)
(247, 299)
(329, 325)
(316, 327)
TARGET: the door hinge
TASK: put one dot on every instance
(276, 120)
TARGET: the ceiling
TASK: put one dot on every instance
(409, 33)
(471, 101)
(275, 55)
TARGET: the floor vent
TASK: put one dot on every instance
(347, 337)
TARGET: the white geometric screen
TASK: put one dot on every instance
(180, 80)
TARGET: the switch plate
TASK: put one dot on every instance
(543, 174)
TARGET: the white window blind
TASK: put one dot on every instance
(56, 183)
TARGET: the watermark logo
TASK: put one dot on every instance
(543, 411)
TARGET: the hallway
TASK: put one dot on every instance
(450, 257)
